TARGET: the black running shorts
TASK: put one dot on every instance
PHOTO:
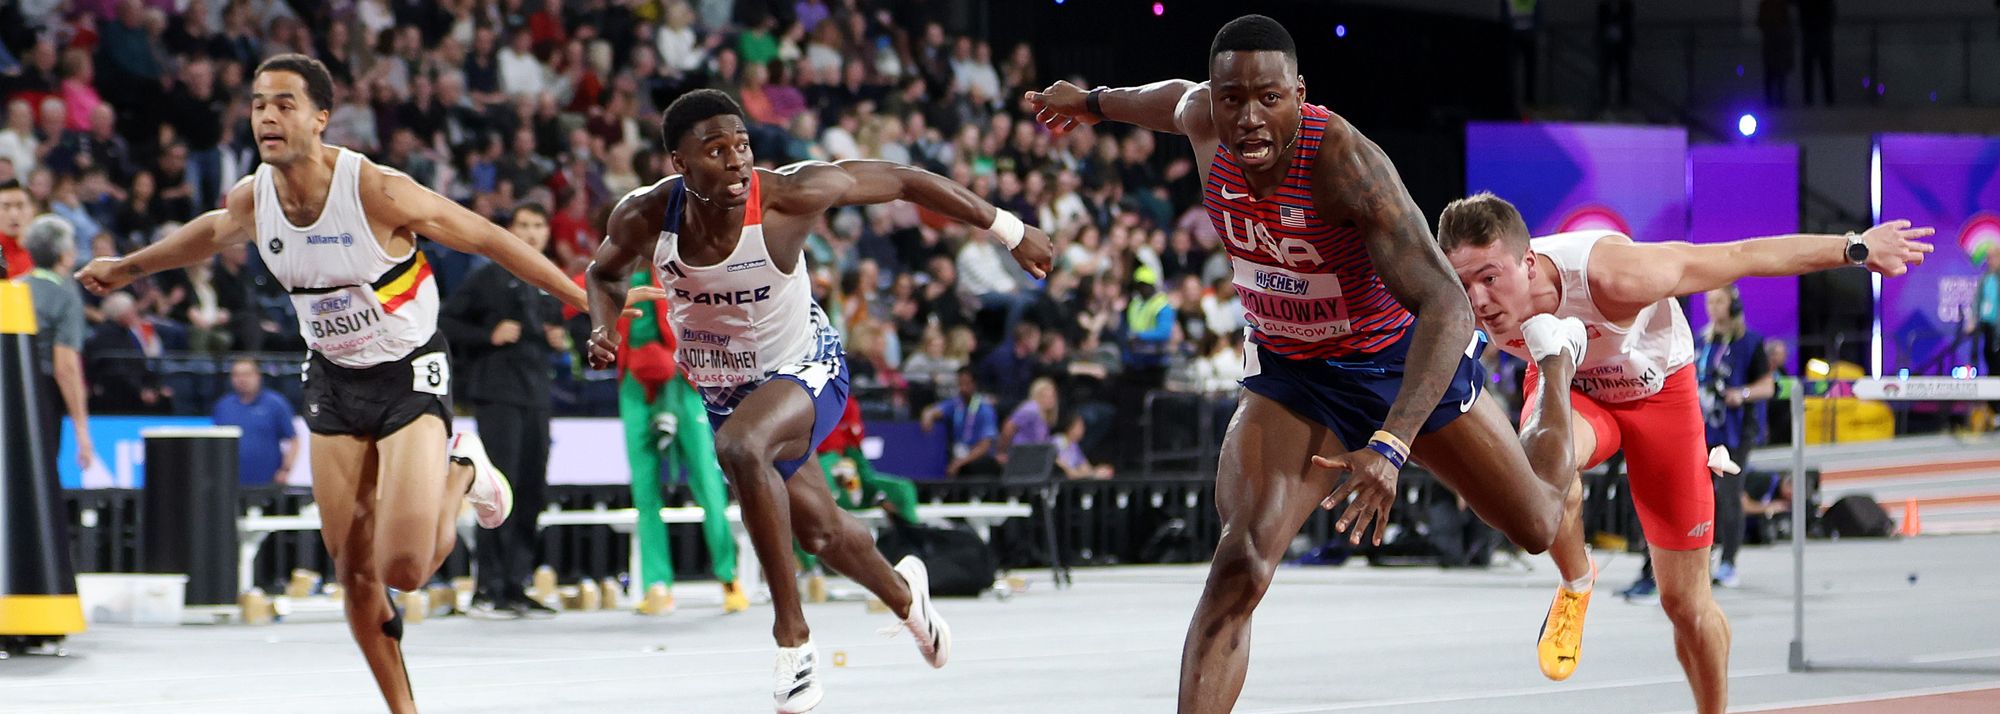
(374, 402)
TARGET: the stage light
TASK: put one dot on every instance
(1747, 125)
(1339, 30)
(1159, 8)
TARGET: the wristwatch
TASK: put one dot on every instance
(1857, 250)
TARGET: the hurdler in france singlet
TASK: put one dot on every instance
(741, 321)
(1308, 287)
(358, 306)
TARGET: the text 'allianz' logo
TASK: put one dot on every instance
(344, 239)
(1280, 283)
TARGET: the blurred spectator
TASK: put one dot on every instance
(18, 141)
(59, 328)
(352, 122)
(118, 360)
(78, 89)
(1774, 21)
(929, 369)
(521, 75)
(66, 201)
(269, 444)
(1614, 51)
(1148, 331)
(1816, 19)
(16, 209)
(1069, 453)
(195, 110)
(1012, 366)
(1733, 372)
(970, 427)
(1030, 422)
(196, 304)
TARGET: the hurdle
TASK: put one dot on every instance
(1905, 389)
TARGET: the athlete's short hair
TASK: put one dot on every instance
(1254, 33)
(694, 108)
(319, 82)
(1478, 220)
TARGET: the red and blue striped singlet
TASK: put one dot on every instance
(1308, 287)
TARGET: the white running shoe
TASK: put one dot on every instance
(1549, 335)
(933, 635)
(798, 680)
(491, 496)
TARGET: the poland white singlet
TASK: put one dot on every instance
(740, 321)
(1622, 364)
(358, 306)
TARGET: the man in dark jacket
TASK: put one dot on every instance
(508, 330)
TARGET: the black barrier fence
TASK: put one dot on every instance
(1169, 519)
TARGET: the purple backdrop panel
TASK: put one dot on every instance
(1580, 176)
(1747, 191)
(1951, 183)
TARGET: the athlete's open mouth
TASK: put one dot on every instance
(1255, 149)
(271, 140)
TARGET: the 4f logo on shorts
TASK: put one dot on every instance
(1700, 529)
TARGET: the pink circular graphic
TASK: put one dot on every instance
(1979, 237)
(1594, 217)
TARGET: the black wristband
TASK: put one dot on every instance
(1094, 102)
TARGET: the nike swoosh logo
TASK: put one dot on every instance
(1466, 406)
(1228, 195)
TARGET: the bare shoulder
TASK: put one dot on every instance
(638, 214)
(241, 201)
(1193, 114)
(803, 188)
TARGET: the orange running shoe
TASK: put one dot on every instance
(1562, 630)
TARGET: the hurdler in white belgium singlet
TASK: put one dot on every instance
(741, 321)
(358, 306)
(1621, 364)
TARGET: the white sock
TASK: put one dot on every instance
(1579, 585)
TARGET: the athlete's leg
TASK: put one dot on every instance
(417, 501)
(836, 536)
(772, 423)
(1549, 441)
(344, 489)
(1265, 486)
(1701, 631)
(694, 450)
(1675, 500)
(642, 453)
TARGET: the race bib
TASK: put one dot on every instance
(431, 374)
(1302, 306)
(342, 322)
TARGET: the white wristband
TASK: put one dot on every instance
(1007, 227)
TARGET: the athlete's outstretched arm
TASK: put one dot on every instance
(1640, 274)
(629, 237)
(1155, 106)
(813, 187)
(1355, 184)
(407, 203)
(193, 242)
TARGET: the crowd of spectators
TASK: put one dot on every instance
(128, 117)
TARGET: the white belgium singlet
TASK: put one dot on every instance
(358, 306)
(1621, 364)
(740, 321)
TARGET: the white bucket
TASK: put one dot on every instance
(132, 598)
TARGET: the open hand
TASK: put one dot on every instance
(1893, 247)
(1371, 480)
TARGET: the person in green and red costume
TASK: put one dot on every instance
(665, 422)
(855, 483)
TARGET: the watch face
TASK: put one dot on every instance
(1857, 252)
